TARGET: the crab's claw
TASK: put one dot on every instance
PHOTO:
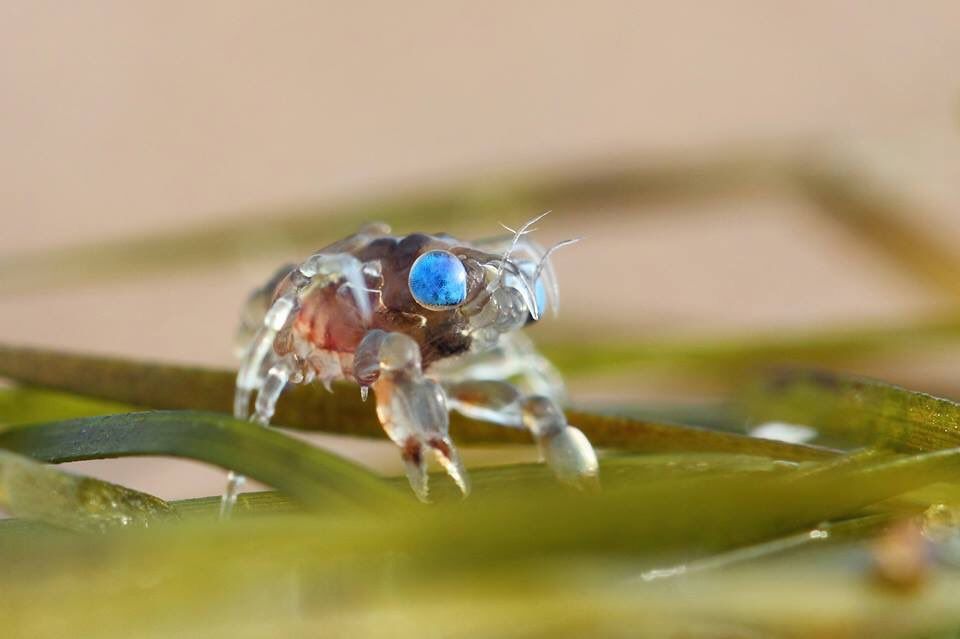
(412, 408)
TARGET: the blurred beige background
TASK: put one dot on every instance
(119, 119)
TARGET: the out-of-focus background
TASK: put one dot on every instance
(126, 120)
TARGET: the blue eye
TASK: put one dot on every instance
(438, 280)
(539, 290)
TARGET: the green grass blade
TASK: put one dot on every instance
(680, 514)
(729, 361)
(443, 209)
(548, 545)
(675, 517)
(854, 410)
(618, 471)
(826, 533)
(342, 412)
(315, 477)
(39, 492)
(25, 405)
(885, 221)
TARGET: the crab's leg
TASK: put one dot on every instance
(318, 267)
(412, 408)
(266, 401)
(261, 372)
(514, 357)
(565, 448)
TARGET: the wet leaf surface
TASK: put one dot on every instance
(856, 411)
(42, 493)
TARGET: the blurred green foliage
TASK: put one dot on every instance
(697, 532)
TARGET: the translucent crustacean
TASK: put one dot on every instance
(429, 323)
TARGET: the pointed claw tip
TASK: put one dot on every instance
(459, 477)
(422, 490)
(422, 496)
(416, 468)
(448, 457)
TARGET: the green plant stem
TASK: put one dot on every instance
(307, 473)
(731, 360)
(43, 493)
(885, 221)
(342, 412)
(859, 411)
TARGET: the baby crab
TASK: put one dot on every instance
(429, 323)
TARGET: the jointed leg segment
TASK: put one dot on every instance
(565, 448)
(262, 371)
(411, 407)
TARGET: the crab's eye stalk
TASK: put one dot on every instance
(539, 290)
(438, 281)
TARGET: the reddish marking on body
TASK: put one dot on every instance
(441, 446)
(468, 395)
(412, 451)
(330, 321)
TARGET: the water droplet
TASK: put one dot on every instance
(784, 432)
